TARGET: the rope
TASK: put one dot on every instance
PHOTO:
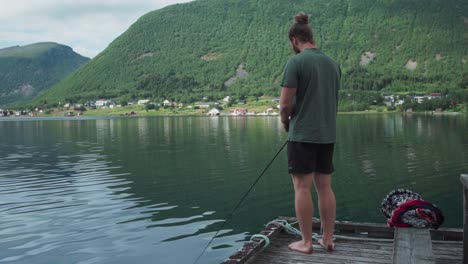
(267, 240)
(294, 231)
(240, 202)
(290, 229)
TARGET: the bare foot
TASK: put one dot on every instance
(330, 247)
(300, 246)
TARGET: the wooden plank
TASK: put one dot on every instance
(349, 251)
(253, 247)
(381, 230)
(346, 252)
(464, 180)
(448, 234)
(371, 229)
(412, 246)
(352, 247)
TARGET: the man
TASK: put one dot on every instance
(308, 107)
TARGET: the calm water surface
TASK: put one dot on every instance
(155, 189)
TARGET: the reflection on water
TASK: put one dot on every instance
(155, 189)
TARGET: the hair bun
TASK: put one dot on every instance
(301, 18)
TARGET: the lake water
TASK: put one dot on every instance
(155, 189)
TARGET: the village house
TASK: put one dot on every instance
(270, 108)
(392, 100)
(143, 102)
(90, 104)
(6, 113)
(389, 99)
(227, 99)
(419, 99)
(167, 103)
(102, 102)
(205, 104)
(433, 95)
(399, 102)
(239, 111)
(214, 112)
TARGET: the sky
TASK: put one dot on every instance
(87, 26)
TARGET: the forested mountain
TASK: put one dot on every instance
(239, 47)
(26, 71)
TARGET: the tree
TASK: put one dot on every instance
(150, 107)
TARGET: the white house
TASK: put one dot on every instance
(389, 99)
(227, 99)
(213, 112)
(102, 102)
(399, 102)
(167, 103)
(142, 102)
(419, 99)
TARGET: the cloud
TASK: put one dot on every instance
(88, 26)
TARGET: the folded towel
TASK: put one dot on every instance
(405, 208)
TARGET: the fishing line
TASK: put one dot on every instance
(240, 202)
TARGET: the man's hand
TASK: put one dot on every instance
(286, 126)
(286, 105)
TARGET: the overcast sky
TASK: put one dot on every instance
(87, 26)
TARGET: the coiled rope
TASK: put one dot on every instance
(290, 229)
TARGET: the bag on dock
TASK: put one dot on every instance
(405, 208)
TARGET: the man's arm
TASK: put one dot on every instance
(286, 105)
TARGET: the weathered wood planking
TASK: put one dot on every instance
(367, 250)
(378, 251)
(412, 246)
(254, 246)
(349, 251)
(382, 230)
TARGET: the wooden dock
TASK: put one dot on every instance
(362, 243)
(355, 243)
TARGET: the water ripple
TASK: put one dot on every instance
(78, 207)
(138, 190)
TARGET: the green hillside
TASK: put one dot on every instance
(26, 71)
(239, 47)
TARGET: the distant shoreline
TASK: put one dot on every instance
(223, 114)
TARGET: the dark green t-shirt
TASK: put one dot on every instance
(317, 79)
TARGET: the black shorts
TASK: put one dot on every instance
(306, 158)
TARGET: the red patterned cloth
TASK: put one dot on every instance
(405, 208)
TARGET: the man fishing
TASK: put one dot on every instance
(308, 106)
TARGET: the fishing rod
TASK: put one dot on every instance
(240, 201)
